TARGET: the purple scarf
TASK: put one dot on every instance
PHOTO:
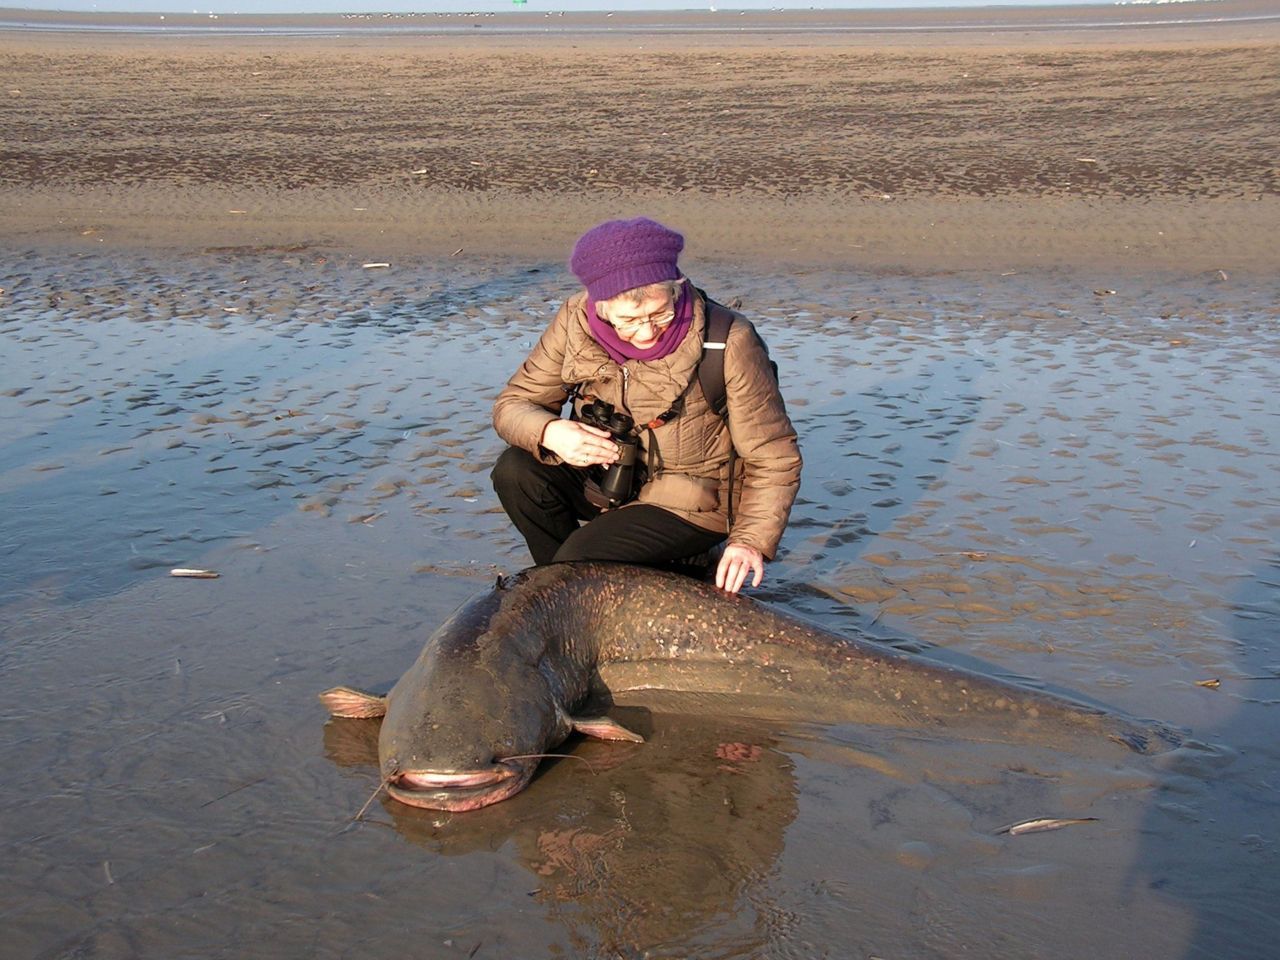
(620, 351)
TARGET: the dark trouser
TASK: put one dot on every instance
(547, 504)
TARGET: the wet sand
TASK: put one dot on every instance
(1024, 475)
(1148, 142)
(1041, 463)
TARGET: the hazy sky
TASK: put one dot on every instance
(432, 6)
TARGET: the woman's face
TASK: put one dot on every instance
(640, 324)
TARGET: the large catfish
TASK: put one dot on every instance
(504, 679)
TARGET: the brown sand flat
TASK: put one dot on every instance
(1151, 144)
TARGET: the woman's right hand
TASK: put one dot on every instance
(579, 444)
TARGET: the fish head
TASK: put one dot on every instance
(463, 732)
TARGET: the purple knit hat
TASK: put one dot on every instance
(624, 254)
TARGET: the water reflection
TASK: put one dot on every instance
(630, 846)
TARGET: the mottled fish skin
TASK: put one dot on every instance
(629, 620)
(504, 675)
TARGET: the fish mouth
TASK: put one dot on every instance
(459, 790)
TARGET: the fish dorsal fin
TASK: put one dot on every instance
(353, 704)
(604, 728)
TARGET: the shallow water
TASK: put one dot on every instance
(1033, 475)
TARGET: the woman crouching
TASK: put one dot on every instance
(645, 470)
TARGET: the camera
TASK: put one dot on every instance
(617, 483)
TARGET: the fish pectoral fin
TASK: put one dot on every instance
(353, 704)
(604, 728)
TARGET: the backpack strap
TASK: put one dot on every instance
(719, 319)
(711, 377)
(711, 367)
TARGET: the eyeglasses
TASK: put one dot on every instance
(657, 320)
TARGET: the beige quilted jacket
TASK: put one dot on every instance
(689, 454)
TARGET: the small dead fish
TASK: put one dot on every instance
(1212, 684)
(1041, 824)
(378, 265)
(193, 574)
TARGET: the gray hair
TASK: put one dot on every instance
(638, 295)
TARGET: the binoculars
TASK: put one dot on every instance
(617, 484)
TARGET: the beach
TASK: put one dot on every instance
(1143, 146)
(259, 286)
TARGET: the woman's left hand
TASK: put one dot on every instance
(736, 562)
